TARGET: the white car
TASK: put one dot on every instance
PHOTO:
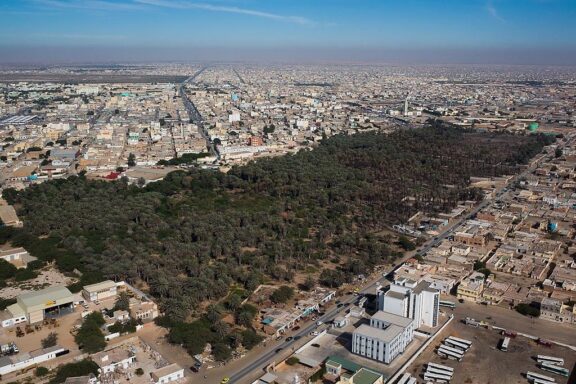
(314, 333)
(319, 322)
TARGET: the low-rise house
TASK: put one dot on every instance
(24, 360)
(471, 288)
(100, 291)
(555, 310)
(144, 311)
(90, 379)
(114, 359)
(167, 374)
(16, 256)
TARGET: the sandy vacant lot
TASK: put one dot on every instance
(484, 363)
(47, 278)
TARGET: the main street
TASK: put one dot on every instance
(195, 116)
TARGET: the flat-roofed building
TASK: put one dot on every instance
(385, 338)
(471, 288)
(100, 291)
(113, 359)
(9, 364)
(19, 257)
(36, 306)
(412, 299)
(167, 374)
(555, 310)
(143, 310)
(90, 379)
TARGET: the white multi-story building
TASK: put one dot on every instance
(386, 337)
(409, 298)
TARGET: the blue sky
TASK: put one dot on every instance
(538, 26)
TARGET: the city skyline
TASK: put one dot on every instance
(477, 31)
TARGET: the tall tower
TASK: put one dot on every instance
(406, 106)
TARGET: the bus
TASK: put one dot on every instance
(455, 350)
(461, 341)
(412, 381)
(449, 304)
(540, 381)
(550, 360)
(504, 344)
(405, 379)
(449, 354)
(554, 369)
(456, 344)
(439, 371)
(533, 376)
(437, 377)
(440, 366)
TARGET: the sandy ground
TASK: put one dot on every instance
(47, 278)
(484, 363)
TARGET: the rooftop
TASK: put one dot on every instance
(366, 376)
(45, 295)
(392, 318)
(385, 335)
(104, 285)
(167, 370)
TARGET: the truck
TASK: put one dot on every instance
(510, 334)
(471, 321)
(543, 342)
(9, 349)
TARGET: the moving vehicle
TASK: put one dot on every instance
(319, 322)
(289, 338)
(225, 380)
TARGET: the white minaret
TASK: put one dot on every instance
(406, 106)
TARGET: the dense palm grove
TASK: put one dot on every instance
(191, 237)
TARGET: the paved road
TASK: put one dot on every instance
(195, 116)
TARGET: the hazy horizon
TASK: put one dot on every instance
(533, 32)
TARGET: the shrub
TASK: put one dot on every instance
(80, 368)
(527, 310)
(41, 371)
(50, 340)
(292, 360)
(90, 336)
